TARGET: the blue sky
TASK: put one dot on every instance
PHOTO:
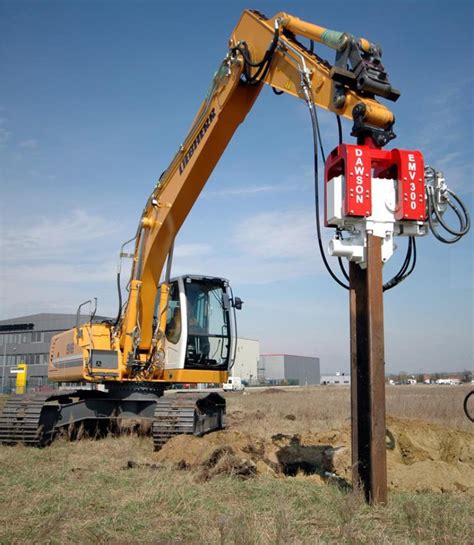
(95, 99)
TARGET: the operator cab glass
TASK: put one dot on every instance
(208, 343)
(173, 319)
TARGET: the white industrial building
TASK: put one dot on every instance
(338, 378)
(290, 369)
(247, 357)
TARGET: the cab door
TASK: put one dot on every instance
(176, 327)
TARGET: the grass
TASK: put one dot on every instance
(86, 492)
(83, 492)
(328, 407)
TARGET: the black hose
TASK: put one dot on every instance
(263, 66)
(463, 208)
(339, 128)
(464, 221)
(343, 269)
(316, 135)
(434, 214)
(441, 221)
(406, 268)
(465, 405)
(119, 289)
(437, 235)
(234, 355)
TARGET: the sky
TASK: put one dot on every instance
(97, 96)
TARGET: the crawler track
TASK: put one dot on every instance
(24, 420)
(193, 414)
(172, 417)
(34, 419)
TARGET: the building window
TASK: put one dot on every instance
(48, 336)
(37, 336)
(26, 337)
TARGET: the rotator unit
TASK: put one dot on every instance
(387, 193)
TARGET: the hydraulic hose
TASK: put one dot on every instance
(438, 196)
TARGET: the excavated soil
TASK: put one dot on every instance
(421, 456)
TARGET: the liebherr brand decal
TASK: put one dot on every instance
(197, 141)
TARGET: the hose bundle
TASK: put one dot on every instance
(439, 198)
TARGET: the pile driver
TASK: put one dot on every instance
(183, 330)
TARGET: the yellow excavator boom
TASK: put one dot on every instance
(261, 51)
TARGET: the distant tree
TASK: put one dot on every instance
(403, 377)
(420, 378)
(466, 376)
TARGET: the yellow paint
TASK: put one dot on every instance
(20, 383)
(130, 325)
(316, 32)
(365, 44)
(302, 28)
(150, 223)
(195, 376)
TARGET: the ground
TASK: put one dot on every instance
(279, 474)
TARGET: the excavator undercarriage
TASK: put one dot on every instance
(36, 419)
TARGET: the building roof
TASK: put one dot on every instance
(49, 320)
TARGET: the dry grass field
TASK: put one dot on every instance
(117, 490)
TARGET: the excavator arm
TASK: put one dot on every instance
(261, 51)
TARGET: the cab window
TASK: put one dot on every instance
(173, 318)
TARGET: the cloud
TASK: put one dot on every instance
(62, 237)
(445, 134)
(52, 264)
(29, 144)
(278, 234)
(248, 190)
(191, 250)
(5, 135)
(262, 249)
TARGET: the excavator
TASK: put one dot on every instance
(173, 331)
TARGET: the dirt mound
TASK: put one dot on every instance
(418, 441)
(274, 391)
(223, 452)
(425, 456)
(421, 456)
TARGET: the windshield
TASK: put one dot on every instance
(208, 325)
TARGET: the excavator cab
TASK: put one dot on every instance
(200, 325)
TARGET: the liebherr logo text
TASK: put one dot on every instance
(197, 141)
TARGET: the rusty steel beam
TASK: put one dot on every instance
(369, 458)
